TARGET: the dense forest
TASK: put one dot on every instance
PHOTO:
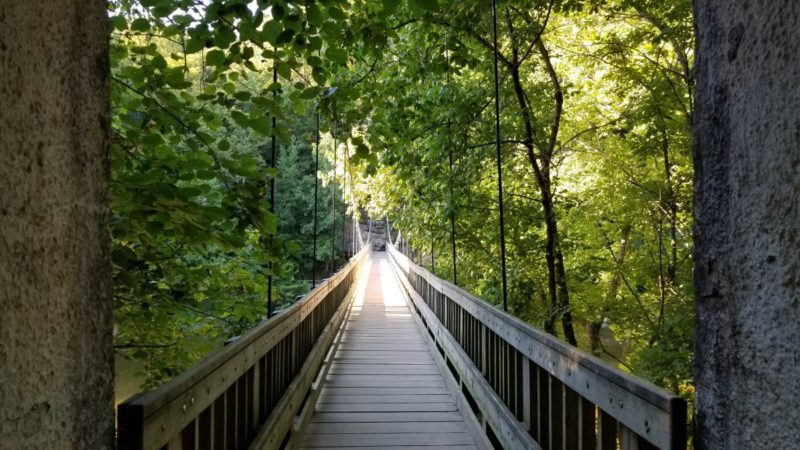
(398, 99)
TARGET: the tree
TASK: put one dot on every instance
(56, 356)
(747, 267)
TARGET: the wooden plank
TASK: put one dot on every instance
(388, 417)
(414, 390)
(406, 398)
(381, 347)
(408, 355)
(388, 427)
(417, 379)
(383, 383)
(388, 439)
(384, 369)
(387, 407)
(403, 447)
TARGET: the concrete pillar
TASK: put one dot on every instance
(56, 355)
(747, 226)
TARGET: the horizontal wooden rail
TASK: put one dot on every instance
(532, 390)
(250, 391)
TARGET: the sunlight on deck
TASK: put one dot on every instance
(384, 388)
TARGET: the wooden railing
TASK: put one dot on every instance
(530, 390)
(248, 394)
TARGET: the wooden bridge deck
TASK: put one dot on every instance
(384, 388)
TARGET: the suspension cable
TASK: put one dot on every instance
(344, 201)
(272, 193)
(499, 158)
(333, 199)
(450, 158)
(316, 203)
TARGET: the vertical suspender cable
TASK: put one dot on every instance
(316, 201)
(344, 200)
(355, 229)
(333, 200)
(272, 194)
(450, 157)
(433, 252)
(388, 229)
(499, 158)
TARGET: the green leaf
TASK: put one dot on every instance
(175, 78)
(140, 25)
(278, 12)
(285, 36)
(158, 62)
(119, 23)
(318, 74)
(314, 15)
(427, 5)
(215, 58)
(240, 118)
(389, 6)
(261, 124)
(224, 37)
(194, 45)
(284, 70)
(336, 55)
(336, 14)
(270, 31)
(309, 93)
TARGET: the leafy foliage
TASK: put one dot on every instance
(597, 105)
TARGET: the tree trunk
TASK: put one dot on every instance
(747, 224)
(56, 355)
(594, 327)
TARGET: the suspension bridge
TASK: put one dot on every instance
(383, 354)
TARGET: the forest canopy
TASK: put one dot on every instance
(596, 105)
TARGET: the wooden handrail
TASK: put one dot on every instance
(256, 383)
(532, 389)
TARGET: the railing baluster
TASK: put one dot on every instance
(572, 405)
(230, 417)
(218, 423)
(607, 431)
(189, 436)
(588, 425)
(556, 414)
(205, 430)
(544, 408)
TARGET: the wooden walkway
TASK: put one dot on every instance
(384, 389)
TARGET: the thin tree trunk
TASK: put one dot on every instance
(593, 328)
(556, 274)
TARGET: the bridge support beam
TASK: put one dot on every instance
(56, 355)
(747, 224)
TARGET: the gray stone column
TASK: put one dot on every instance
(56, 355)
(747, 229)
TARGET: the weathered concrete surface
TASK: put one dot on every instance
(56, 373)
(747, 275)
